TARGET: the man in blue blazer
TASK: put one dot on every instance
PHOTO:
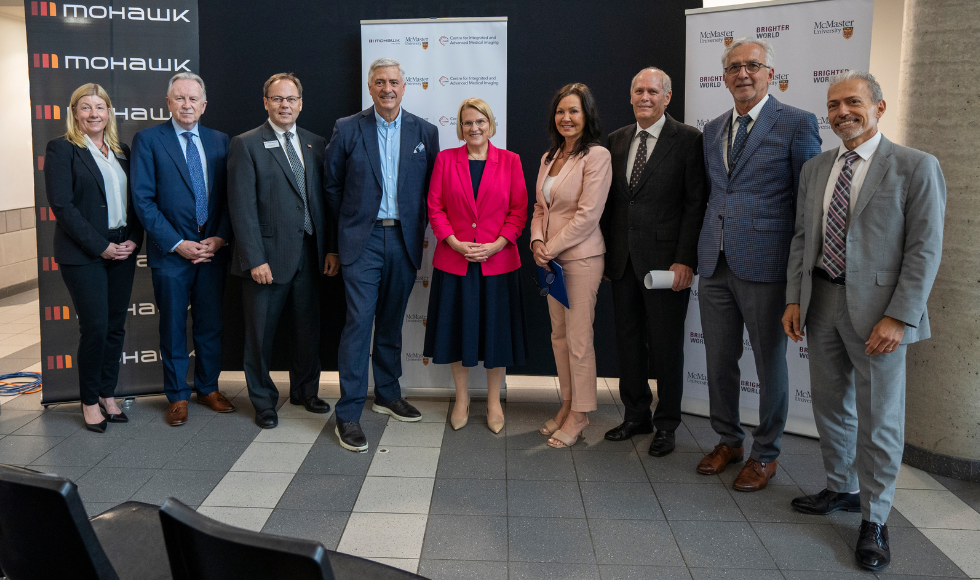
(753, 156)
(376, 178)
(178, 180)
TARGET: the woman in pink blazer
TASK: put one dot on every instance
(477, 208)
(572, 186)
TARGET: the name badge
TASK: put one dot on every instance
(121, 156)
(271, 144)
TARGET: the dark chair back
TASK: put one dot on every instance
(203, 549)
(44, 531)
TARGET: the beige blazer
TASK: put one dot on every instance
(569, 226)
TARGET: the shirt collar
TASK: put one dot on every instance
(753, 112)
(280, 131)
(196, 129)
(393, 125)
(864, 150)
(655, 129)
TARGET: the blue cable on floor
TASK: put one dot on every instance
(8, 389)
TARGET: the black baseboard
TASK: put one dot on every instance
(940, 464)
(18, 288)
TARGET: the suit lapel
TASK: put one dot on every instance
(308, 161)
(92, 164)
(760, 129)
(493, 159)
(664, 142)
(465, 179)
(619, 152)
(210, 160)
(816, 203)
(409, 140)
(880, 164)
(369, 134)
(279, 154)
(562, 174)
(172, 145)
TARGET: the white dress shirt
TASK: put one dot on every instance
(654, 131)
(294, 140)
(546, 189)
(733, 126)
(115, 184)
(859, 170)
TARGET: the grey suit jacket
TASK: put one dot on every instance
(265, 204)
(894, 238)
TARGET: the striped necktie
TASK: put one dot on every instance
(835, 244)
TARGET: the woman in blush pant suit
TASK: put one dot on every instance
(572, 186)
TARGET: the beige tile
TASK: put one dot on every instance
(912, 478)
(13, 220)
(5, 400)
(20, 341)
(18, 272)
(432, 411)
(27, 218)
(272, 457)
(405, 462)
(396, 495)
(927, 508)
(247, 518)
(290, 430)
(17, 246)
(329, 391)
(372, 535)
(407, 564)
(960, 546)
(529, 381)
(251, 490)
(399, 434)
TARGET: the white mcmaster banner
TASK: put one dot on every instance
(445, 60)
(813, 40)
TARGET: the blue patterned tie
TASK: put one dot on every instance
(197, 179)
(835, 238)
(297, 166)
(741, 135)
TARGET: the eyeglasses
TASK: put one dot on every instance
(750, 67)
(479, 123)
(290, 100)
(549, 279)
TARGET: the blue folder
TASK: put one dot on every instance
(556, 289)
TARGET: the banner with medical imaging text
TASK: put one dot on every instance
(813, 40)
(446, 60)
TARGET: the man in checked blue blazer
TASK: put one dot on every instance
(178, 180)
(376, 179)
(753, 156)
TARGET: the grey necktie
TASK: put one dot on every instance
(300, 176)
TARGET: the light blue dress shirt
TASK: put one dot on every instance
(389, 145)
(200, 149)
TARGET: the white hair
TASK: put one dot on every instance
(188, 76)
(770, 51)
(383, 62)
(664, 77)
(876, 94)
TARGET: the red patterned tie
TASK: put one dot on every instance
(835, 246)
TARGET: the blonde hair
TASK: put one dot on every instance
(75, 135)
(480, 106)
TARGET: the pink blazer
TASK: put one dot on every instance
(569, 225)
(499, 209)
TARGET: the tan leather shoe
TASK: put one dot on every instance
(755, 475)
(719, 458)
(177, 413)
(216, 401)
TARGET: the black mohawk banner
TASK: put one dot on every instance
(132, 51)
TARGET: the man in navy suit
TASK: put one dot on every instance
(178, 180)
(753, 156)
(375, 178)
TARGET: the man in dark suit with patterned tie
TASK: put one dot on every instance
(753, 155)
(651, 221)
(275, 184)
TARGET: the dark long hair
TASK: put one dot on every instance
(592, 129)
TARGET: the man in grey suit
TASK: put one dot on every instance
(869, 232)
(275, 184)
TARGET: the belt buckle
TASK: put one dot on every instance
(387, 222)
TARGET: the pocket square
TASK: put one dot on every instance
(419, 148)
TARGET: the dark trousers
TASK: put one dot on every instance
(727, 305)
(100, 293)
(200, 286)
(377, 286)
(650, 341)
(296, 302)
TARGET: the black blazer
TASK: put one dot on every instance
(76, 194)
(265, 204)
(658, 224)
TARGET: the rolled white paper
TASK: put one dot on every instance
(658, 280)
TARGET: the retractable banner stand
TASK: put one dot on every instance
(813, 40)
(132, 51)
(445, 60)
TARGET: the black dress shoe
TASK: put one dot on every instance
(113, 418)
(313, 404)
(663, 443)
(351, 436)
(827, 502)
(97, 427)
(627, 429)
(872, 551)
(267, 419)
(399, 409)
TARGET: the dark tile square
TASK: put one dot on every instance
(78, 450)
(620, 500)
(112, 484)
(29, 402)
(912, 552)
(773, 504)
(634, 543)
(52, 425)
(469, 497)
(320, 492)
(70, 472)
(24, 449)
(158, 430)
(229, 427)
(736, 574)
(465, 537)
(475, 435)
(805, 470)
(812, 575)
(815, 547)
(799, 445)
(531, 413)
(549, 540)
(544, 499)
(552, 571)
(590, 466)
(456, 569)
(702, 501)
(372, 426)
(609, 572)
(607, 416)
(593, 439)
(143, 453)
(720, 544)
(319, 526)
(207, 455)
(537, 464)
(676, 468)
(335, 460)
(525, 436)
(190, 487)
(486, 463)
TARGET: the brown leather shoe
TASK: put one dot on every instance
(216, 401)
(719, 458)
(177, 413)
(755, 475)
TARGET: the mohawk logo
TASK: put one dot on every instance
(833, 27)
(823, 76)
(44, 9)
(48, 264)
(848, 32)
(56, 313)
(143, 356)
(717, 36)
(45, 214)
(44, 60)
(443, 81)
(444, 40)
(141, 114)
(385, 40)
(770, 31)
(47, 112)
(126, 63)
(59, 362)
(96, 12)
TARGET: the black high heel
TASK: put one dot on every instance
(94, 427)
(113, 418)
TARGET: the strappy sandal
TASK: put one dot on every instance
(549, 427)
(560, 440)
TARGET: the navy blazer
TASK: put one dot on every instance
(76, 193)
(164, 197)
(352, 181)
(756, 203)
